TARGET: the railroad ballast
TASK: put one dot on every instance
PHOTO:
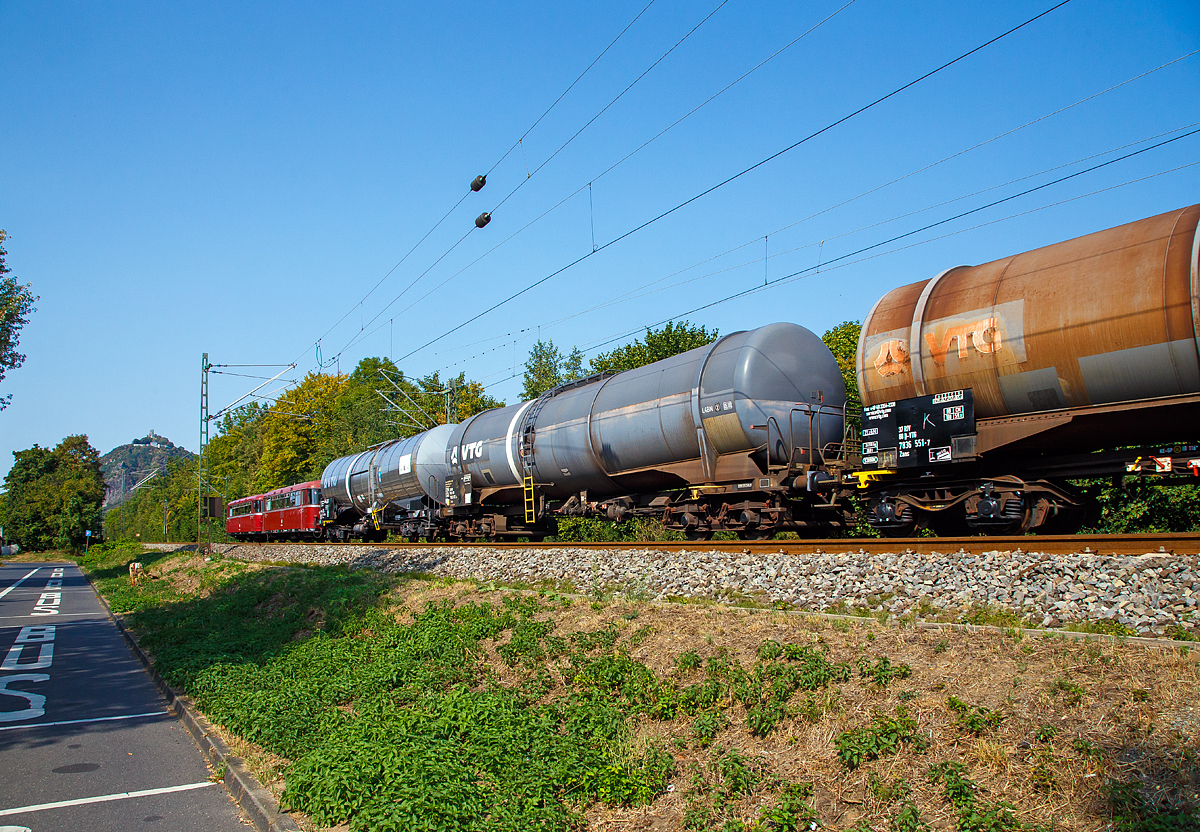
(984, 390)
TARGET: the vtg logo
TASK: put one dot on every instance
(473, 450)
(983, 335)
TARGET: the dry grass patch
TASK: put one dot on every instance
(1112, 710)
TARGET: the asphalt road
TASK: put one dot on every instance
(86, 741)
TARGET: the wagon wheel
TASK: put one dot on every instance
(755, 534)
(951, 522)
(1019, 526)
(697, 534)
(911, 528)
(1068, 520)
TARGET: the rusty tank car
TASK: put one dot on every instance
(1074, 348)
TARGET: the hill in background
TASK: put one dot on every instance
(127, 465)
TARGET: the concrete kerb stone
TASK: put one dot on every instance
(258, 803)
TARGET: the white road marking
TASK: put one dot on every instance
(13, 660)
(18, 583)
(36, 701)
(37, 807)
(78, 721)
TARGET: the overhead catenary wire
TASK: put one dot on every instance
(244, 375)
(606, 107)
(992, 139)
(738, 175)
(533, 173)
(388, 274)
(757, 288)
(468, 192)
(644, 290)
(616, 164)
(877, 188)
(641, 293)
(570, 87)
(590, 347)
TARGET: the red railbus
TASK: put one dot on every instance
(292, 511)
(244, 518)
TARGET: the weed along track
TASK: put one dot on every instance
(405, 697)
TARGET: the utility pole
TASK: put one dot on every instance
(204, 368)
(164, 521)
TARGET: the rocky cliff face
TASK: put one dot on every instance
(127, 465)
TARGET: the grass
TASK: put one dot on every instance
(385, 702)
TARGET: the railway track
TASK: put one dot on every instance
(1041, 581)
(1178, 543)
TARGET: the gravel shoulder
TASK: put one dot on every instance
(1151, 595)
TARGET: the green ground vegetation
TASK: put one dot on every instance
(396, 702)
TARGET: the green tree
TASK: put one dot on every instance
(1139, 504)
(543, 369)
(235, 453)
(28, 509)
(359, 418)
(140, 517)
(658, 344)
(16, 304)
(842, 341)
(572, 366)
(470, 397)
(296, 428)
(53, 496)
(547, 368)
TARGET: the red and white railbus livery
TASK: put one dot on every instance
(244, 518)
(293, 511)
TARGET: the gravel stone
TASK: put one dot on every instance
(1149, 593)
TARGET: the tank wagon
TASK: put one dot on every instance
(733, 435)
(985, 390)
(1065, 353)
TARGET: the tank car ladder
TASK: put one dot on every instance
(527, 431)
(529, 428)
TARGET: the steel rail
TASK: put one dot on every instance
(1177, 543)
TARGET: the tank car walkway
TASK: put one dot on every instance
(86, 741)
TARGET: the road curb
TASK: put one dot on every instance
(258, 803)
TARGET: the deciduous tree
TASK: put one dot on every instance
(296, 427)
(54, 496)
(543, 369)
(658, 344)
(16, 304)
(842, 341)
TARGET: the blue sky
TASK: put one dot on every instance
(236, 178)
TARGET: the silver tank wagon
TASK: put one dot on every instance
(723, 413)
